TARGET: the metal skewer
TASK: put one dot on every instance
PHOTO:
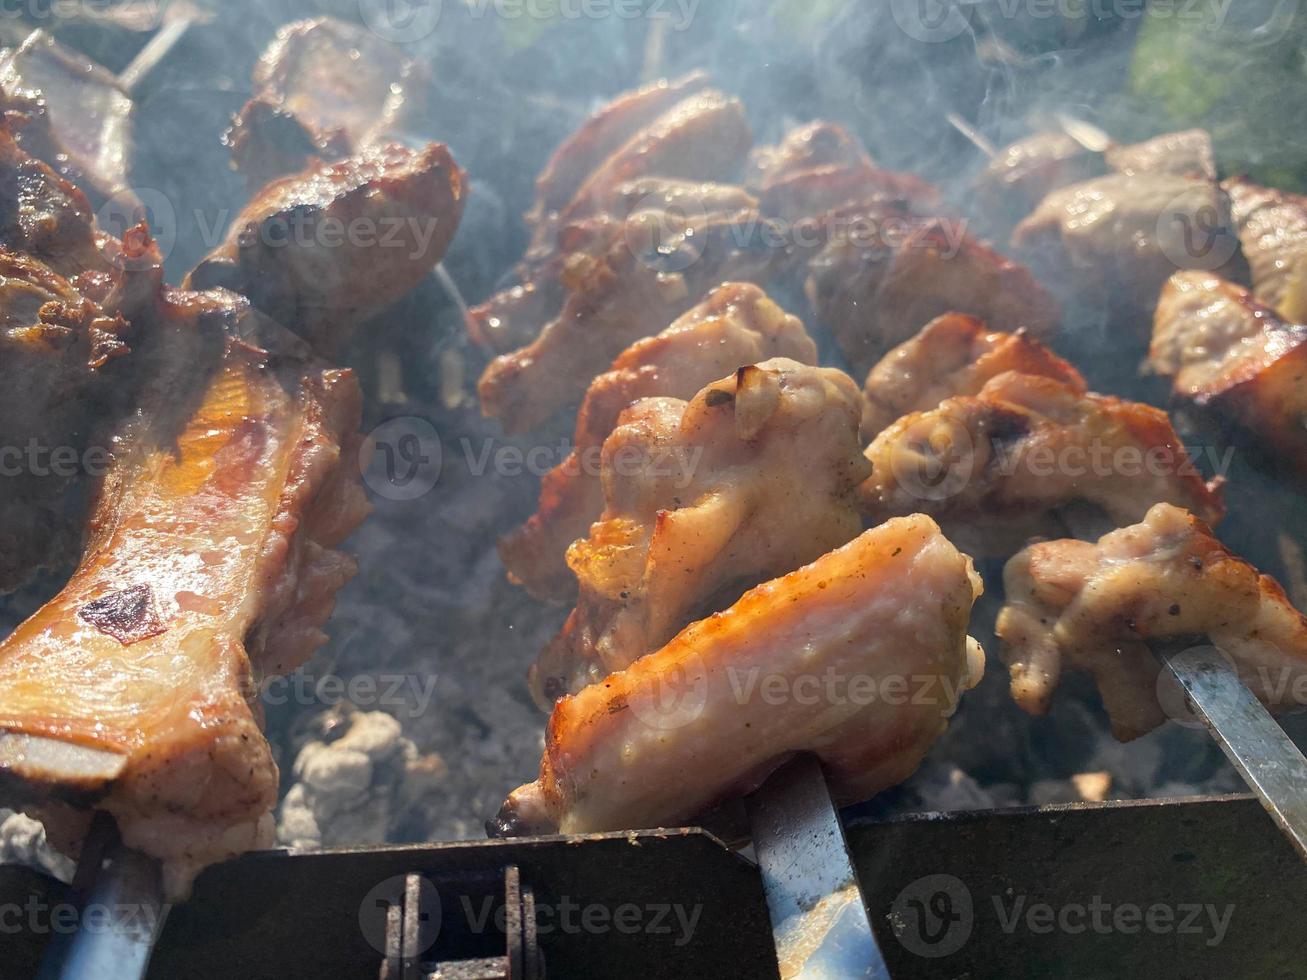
(818, 916)
(125, 888)
(1251, 739)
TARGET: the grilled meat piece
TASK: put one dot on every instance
(752, 478)
(1096, 607)
(210, 565)
(1121, 236)
(994, 465)
(704, 137)
(659, 267)
(1185, 154)
(602, 135)
(1022, 174)
(884, 273)
(817, 144)
(57, 348)
(688, 727)
(77, 118)
(324, 88)
(1236, 362)
(327, 248)
(952, 355)
(1272, 228)
(514, 317)
(737, 324)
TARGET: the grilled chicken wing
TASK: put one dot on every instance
(1272, 228)
(1122, 235)
(812, 145)
(884, 274)
(659, 267)
(752, 478)
(952, 355)
(995, 465)
(1236, 361)
(1095, 607)
(737, 324)
(210, 565)
(324, 249)
(688, 727)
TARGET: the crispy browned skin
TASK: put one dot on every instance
(1272, 228)
(326, 248)
(737, 324)
(602, 135)
(997, 464)
(1119, 237)
(885, 273)
(687, 727)
(752, 478)
(1236, 361)
(210, 565)
(1096, 607)
(656, 269)
(952, 355)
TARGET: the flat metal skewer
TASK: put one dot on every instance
(1267, 759)
(819, 919)
(125, 888)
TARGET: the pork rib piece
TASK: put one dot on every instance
(210, 565)
(326, 248)
(736, 325)
(997, 464)
(953, 355)
(1095, 606)
(1236, 362)
(688, 727)
(752, 478)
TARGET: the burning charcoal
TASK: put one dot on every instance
(22, 842)
(355, 787)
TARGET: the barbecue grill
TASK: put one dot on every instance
(992, 861)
